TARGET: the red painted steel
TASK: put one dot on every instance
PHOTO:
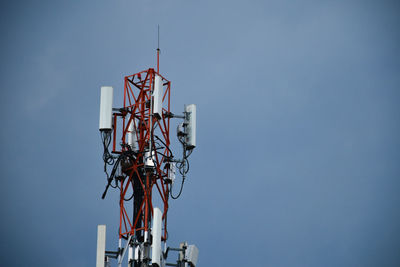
(138, 90)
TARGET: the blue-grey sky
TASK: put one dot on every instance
(298, 151)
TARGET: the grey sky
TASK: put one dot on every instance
(297, 161)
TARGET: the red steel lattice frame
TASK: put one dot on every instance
(138, 90)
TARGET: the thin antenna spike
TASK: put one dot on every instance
(158, 48)
(158, 39)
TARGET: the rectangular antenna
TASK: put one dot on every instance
(101, 245)
(157, 97)
(191, 255)
(190, 127)
(156, 232)
(106, 101)
(131, 136)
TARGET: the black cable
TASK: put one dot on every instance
(106, 139)
(180, 190)
(188, 166)
(190, 153)
(158, 138)
(129, 197)
(183, 165)
(110, 179)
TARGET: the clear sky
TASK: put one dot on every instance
(298, 151)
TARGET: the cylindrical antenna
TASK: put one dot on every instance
(158, 49)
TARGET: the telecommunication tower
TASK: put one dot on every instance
(139, 163)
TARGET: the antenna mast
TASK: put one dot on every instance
(142, 167)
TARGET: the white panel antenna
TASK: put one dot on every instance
(149, 160)
(191, 255)
(172, 172)
(130, 253)
(131, 136)
(190, 125)
(157, 97)
(101, 245)
(106, 101)
(156, 232)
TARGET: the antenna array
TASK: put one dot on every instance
(140, 164)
